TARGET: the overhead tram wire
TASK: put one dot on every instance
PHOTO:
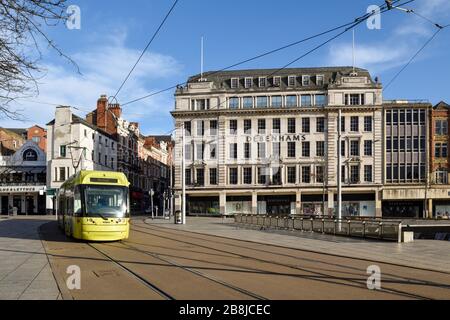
(357, 20)
(437, 25)
(355, 24)
(146, 48)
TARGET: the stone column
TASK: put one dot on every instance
(378, 205)
(254, 202)
(298, 202)
(223, 203)
(430, 208)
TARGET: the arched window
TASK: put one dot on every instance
(30, 155)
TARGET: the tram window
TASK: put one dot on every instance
(106, 201)
(77, 203)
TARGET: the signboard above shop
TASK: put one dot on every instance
(22, 189)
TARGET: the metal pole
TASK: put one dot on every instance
(339, 170)
(151, 201)
(183, 176)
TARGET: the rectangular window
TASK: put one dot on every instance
(306, 149)
(354, 174)
(441, 127)
(277, 101)
(187, 128)
(261, 150)
(233, 150)
(247, 126)
(292, 175)
(200, 151)
(291, 81)
(354, 124)
(200, 128)
(262, 175)
(291, 101)
(261, 126)
(320, 148)
(291, 149)
(62, 151)
(234, 83)
(343, 151)
(306, 174)
(233, 103)
(321, 100)
(353, 99)
(248, 102)
(306, 125)
(234, 176)
(320, 124)
(247, 150)
(276, 150)
(248, 176)
(233, 127)
(262, 102)
(368, 176)
(306, 80)
(200, 104)
(213, 151)
(306, 100)
(200, 177)
(343, 174)
(342, 124)
(276, 175)
(188, 176)
(248, 82)
(292, 125)
(213, 176)
(368, 147)
(213, 128)
(319, 81)
(188, 152)
(354, 148)
(276, 126)
(320, 174)
(262, 82)
(368, 124)
(276, 81)
(62, 174)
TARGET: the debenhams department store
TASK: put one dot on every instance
(261, 143)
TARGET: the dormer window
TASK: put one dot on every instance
(291, 81)
(276, 81)
(248, 83)
(234, 83)
(306, 80)
(320, 80)
(262, 82)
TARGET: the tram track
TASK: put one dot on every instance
(317, 275)
(196, 272)
(141, 279)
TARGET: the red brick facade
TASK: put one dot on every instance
(439, 140)
(39, 135)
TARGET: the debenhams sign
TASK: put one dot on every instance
(277, 138)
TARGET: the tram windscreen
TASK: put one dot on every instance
(106, 201)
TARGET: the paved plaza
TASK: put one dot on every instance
(25, 273)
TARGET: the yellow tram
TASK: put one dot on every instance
(95, 206)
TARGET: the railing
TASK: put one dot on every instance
(370, 229)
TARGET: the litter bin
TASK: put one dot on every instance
(178, 217)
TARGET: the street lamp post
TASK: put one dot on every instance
(151, 201)
(183, 175)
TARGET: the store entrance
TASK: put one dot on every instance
(29, 205)
(4, 205)
(17, 203)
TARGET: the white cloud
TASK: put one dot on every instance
(103, 69)
(375, 57)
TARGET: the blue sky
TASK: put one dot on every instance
(113, 33)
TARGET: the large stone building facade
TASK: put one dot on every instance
(259, 142)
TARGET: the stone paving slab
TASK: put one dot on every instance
(25, 273)
(424, 254)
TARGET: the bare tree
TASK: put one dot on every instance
(23, 26)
